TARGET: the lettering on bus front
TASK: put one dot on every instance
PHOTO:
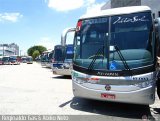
(121, 20)
(107, 74)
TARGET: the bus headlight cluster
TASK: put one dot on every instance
(145, 84)
(66, 65)
(79, 81)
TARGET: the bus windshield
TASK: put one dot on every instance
(44, 57)
(69, 52)
(5, 59)
(13, 58)
(96, 39)
(58, 54)
(29, 59)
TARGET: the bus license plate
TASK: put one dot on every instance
(108, 96)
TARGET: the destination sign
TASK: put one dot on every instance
(95, 21)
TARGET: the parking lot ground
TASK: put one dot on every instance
(29, 89)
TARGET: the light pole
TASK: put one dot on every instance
(20, 52)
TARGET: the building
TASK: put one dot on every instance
(153, 4)
(15, 48)
(9, 49)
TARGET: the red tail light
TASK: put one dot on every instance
(79, 24)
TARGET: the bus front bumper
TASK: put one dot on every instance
(61, 71)
(144, 96)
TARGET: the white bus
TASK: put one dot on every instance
(1, 62)
(13, 59)
(115, 56)
(5, 60)
(46, 58)
(62, 59)
(29, 60)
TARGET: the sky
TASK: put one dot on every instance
(41, 22)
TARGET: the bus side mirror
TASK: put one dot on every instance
(64, 35)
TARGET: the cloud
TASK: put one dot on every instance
(68, 5)
(11, 17)
(46, 42)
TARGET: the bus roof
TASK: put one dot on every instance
(117, 11)
(13, 55)
(47, 51)
(69, 45)
(58, 46)
(6, 56)
(29, 57)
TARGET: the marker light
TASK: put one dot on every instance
(79, 24)
(145, 84)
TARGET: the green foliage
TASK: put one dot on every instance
(40, 48)
(35, 54)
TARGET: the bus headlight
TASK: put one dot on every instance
(66, 65)
(145, 84)
(79, 81)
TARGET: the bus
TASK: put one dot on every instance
(115, 56)
(46, 58)
(5, 60)
(1, 62)
(13, 59)
(49, 62)
(29, 60)
(62, 59)
(58, 58)
(23, 59)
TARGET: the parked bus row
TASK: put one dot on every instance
(15, 60)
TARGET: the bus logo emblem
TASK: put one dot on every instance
(108, 87)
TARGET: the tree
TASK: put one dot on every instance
(40, 49)
(35, 54)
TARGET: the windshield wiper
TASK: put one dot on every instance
(98, 53)
(101, 51)
(122, 58)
